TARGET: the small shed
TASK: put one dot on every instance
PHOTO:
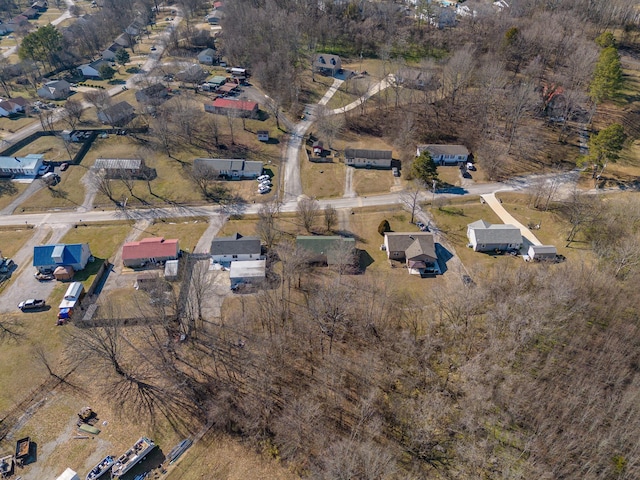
(248, 271)
(171, 270)
(64, 274)
(68, 474)
(542, 252)
(263, 135)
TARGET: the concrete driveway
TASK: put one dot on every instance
(506, 217)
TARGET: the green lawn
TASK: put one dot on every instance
(103, 240)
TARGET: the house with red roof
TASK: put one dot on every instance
(149, 250)
(235, 108)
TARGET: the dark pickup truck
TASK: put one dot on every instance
(31, 304)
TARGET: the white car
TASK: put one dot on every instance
(43, 169)
(262, 178)
(266, 183)
(264, 189)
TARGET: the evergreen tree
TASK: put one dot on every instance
(122, 57)
(41, 45)
(424, 168)
(607, 77)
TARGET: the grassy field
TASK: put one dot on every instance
(187, 230)
(373, 181)
(69, 193)
(11, 125)
(322, 180)
(103, 240)
(9, 191)
(51, 147)
(12, 240)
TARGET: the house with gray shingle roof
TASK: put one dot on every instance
(235, 248)
(486, 237)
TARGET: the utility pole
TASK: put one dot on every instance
(433, 198)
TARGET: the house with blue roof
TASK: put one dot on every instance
(46, 258)
(28, 166)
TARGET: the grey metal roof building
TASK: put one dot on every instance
(235, 245)
(231, 167)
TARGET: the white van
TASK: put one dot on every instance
(72, 295)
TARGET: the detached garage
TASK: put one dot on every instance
(542, 252)
(250, 271)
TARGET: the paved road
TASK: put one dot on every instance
(506, 217)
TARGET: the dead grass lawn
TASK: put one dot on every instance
(9, 191)
(372, 181)
(11, 241)
(187, 231)
(322, 180)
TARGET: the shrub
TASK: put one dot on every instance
(384, 227)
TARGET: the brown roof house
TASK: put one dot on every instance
(117, 115)
(327, 64)
(234, 108)
(416, 249)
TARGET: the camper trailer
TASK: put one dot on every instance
(72, 296)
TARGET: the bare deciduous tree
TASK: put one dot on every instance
(307, 211)
(330, 217)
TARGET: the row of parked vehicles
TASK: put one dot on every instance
(264, 184)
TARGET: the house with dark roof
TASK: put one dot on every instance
(410, 77)
(445, 154)
(207, 56)
(109, 53)
(31, 13)
(235, 248)
(327, 64)
(40, 5)
(328, 250)
(235, 108)
(117, 115)
(149, 250)
(232, 169)
(153, 94)
(357, 157)
(486, 237)
(16, 22)
(92, 70)
(55, 90)
(416, 249)
(27, 165)
(46, 258)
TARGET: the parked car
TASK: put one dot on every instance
(31, 304)
(263, 189)
(43, 169)
(43, 277)
(396, 172)
(263, 177)
(153, 48)
(471, 166)
(422, 227)
(64, 166)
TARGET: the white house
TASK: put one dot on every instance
(55, 90)
(235, 248)
(357, 157)
(207, 56)
(92, 70)
(27, 166)
(485, 237)
(12, 106)
(445, 154)
(231, 168)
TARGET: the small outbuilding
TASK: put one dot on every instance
(171, 270)
(542, 252)
(252, 271)
(64, 274)
(263, 135)
(68, 474)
